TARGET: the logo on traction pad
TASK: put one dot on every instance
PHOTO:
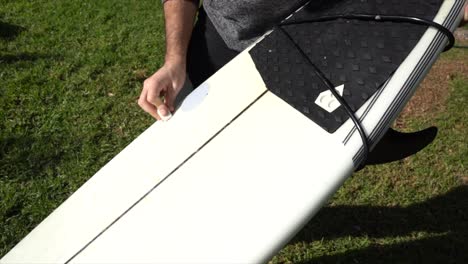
(328, 101)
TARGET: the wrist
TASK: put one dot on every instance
(175, 61)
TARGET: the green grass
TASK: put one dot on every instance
(70, 74)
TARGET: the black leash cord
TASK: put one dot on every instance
(340, 99)
(377, 18)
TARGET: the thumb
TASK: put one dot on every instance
(162, 109)
(164, 112)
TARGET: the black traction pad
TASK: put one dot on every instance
(362, 55)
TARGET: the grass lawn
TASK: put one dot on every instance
(70, 75)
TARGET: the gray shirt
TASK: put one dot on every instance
(240, 22)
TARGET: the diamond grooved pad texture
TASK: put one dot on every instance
(362, 55)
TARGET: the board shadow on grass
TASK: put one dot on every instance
(9, 31)
(36, 156)
(450, 248)
(13, 58)
(445, 216)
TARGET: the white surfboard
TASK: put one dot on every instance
(230, 178)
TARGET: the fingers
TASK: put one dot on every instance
(164, 112)
(151, 102)
(161, 109)
(166, 82)
(155, 100)
(146, 106)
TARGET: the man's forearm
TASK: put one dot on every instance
(179, 19)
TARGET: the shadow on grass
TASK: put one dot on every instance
(9, 31)
(446, 215)
(24, 159)
(10, 58)
(431, 250)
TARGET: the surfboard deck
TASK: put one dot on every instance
(230, 178)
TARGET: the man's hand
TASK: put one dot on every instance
(168, 81)
(165, 83)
